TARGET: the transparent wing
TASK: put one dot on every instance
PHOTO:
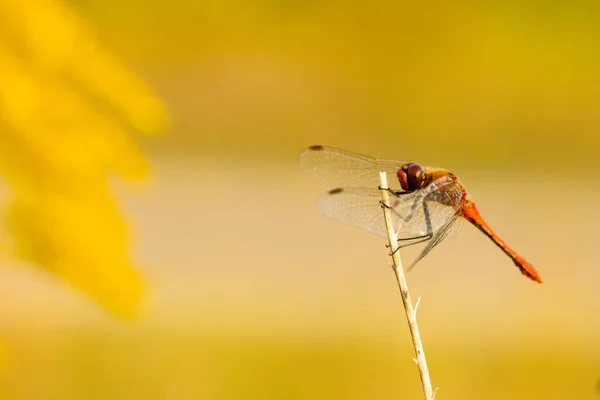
(344, 168)
(414, 215)
(446, 232)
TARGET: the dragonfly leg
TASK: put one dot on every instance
(413, 208)
(394, 192)
(427, 217)
(419, 239)
(426, 214)
(383, 205)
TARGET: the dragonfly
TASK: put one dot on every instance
(428, 206)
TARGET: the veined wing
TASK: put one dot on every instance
(344, 168)
(446, 232)
(414, 215)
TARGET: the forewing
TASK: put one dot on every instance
(343, 168)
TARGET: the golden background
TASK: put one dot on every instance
(248, 291)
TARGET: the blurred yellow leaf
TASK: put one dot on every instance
(67, 107)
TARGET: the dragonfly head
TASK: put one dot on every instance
(411, 176)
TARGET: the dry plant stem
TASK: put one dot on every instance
(411, 314)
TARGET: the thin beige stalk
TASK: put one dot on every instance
(411, 312)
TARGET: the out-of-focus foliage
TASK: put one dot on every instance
(67, 110)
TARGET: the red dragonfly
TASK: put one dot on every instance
(428, 207)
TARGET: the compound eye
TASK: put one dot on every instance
(415, 176)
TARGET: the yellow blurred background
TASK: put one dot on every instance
(247, 291)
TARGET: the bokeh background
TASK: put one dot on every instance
(247, 291)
